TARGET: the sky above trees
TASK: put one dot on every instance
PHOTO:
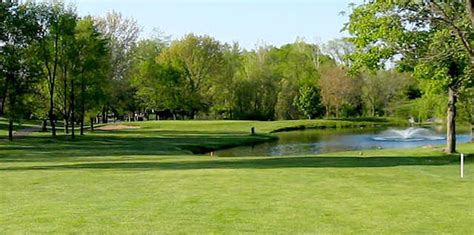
(275, 22)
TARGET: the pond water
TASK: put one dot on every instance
(335, 140)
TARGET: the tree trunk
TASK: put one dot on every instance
(83, 104)
(66, 125)
(51, 113)
(73, 132)
(103, 115)
(44, 124)
(10, 130)
(104, 119)
(73, 115)
(4, 98)
(9, 79)
(92, 124)
(2, 106)
(451, 122)
(82, 125)
(65, 109)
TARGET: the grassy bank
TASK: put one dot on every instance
(176, 137)
(145, 180)
(271, 126)
(266, 127)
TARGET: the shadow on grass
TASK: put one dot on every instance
(154, 130)
(269, 163)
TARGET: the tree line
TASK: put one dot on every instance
(58, 66)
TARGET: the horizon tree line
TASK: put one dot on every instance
(56, 65)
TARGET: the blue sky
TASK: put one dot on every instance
(249, 22)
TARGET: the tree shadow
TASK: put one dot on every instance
(260, 163)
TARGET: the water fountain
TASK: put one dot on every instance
(407, 135)
(312, 141)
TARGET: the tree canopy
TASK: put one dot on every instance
(432, 39)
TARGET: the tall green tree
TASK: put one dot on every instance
(308, 101)
(199, 59)
(157, 85)
(224, 85)
(122, 33)
(66, 65)
(432, 39)
(57, 22)
(298, 65)
(18, 67)
(258, 91)
(91, 68)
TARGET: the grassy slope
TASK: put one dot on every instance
(266, 127)
(168, 137)
(118, 182)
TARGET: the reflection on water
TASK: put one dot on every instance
(331, 140)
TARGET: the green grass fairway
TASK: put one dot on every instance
(147, 181)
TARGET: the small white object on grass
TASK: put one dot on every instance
(462, 165)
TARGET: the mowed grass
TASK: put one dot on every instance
(266, 126)
(146, 181)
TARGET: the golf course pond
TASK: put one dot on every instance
(311, 141)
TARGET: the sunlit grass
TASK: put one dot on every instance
(146, 181)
